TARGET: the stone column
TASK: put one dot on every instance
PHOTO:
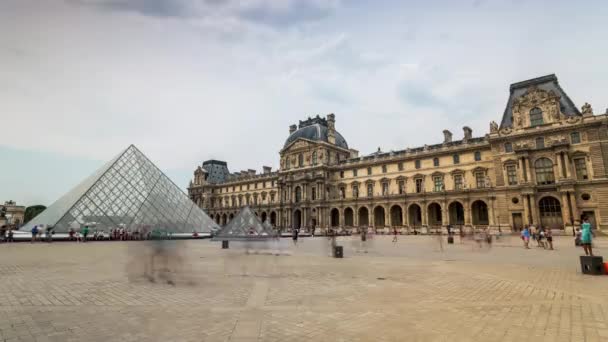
(526, 217)
(575, 212)
(405, 217)
(424, 214)
(560, 169)
(565, 209)
(387, 218)
(467, 214)
(528, 169)
(556, 169)
(535, 213)
(356, 217)
(341, 211)
(445, 218)
(522, 166)
(568, 166)
(491, 218)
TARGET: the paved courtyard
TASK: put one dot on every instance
(408, 291)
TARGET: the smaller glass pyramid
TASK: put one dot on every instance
(244, 226)
(130, 192)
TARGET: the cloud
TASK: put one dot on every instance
(274, 13)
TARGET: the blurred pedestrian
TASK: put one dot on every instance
(586, 239)
(10, 235)
(549, 236)
(34, 233)
(85, 232)
(395, 234)
(525, 236)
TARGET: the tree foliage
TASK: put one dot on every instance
(32, 211)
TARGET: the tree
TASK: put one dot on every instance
(32, 211)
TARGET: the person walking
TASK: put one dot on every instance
(49, 234)
(10, 235)
(3, 233)
(577, 237)
(525, 236)
(549, 236)
(541, 237)
(85, 232)
(34, 233)
(395, 234)
(586, 239)
(295, 232)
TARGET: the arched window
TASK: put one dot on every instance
(287, 163)
(544, 171)
(536, 117)
(508, 147)
(314, 158)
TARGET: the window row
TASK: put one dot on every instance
(417, 165)
(575, 138)
(244, 187)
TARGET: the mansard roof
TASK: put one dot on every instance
(547, 83)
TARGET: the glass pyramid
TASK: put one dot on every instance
(131, 192)
(244, 226)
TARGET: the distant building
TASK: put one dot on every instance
(545, 164)
(13, 213)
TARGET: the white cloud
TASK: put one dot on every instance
(225, 79)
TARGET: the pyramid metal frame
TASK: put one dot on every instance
(238, 228)
(131, 192)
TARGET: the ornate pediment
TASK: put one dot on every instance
(534, 97)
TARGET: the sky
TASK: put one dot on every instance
(191, 80)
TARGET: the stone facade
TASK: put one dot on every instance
(14, 214)
(545, 164)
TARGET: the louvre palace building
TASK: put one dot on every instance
(545, 163)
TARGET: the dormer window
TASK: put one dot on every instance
(536, 117)
(301, 160)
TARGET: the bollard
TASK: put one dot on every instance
(593, 265)
(450, 239)
(224, 244)
(338, 252)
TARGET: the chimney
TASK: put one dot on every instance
(331, 128)
(468, 133)
(267, 169)
(292, 128)
(447, 136)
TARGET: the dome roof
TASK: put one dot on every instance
(315, 132)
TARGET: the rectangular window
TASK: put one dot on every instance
(342, 193)
(477, 156)
(438, 182)
(355, 191)
(400, 166)
(480, 178)
(456, 159)
(536, 117)
(512, 174)
(272, 198)
(508, 147)
(341, 174)
(241, 187)
(384, 189)
(419, 185)
(540, 142)
(575, 138)
(458, 182)
(435, 162)
(369, 171)
(255, 185)
(401, 187)
(355, 173)
(581, 169)
(417, 164)
(247, 186)
(370, 190)
(383, 168)
(313, 194)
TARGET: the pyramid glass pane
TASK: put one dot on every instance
(128, 191)
(244, 226)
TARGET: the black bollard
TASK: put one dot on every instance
(593, 265)
(338, 252)
(224, 244)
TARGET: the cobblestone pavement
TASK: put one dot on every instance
(407, 291)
